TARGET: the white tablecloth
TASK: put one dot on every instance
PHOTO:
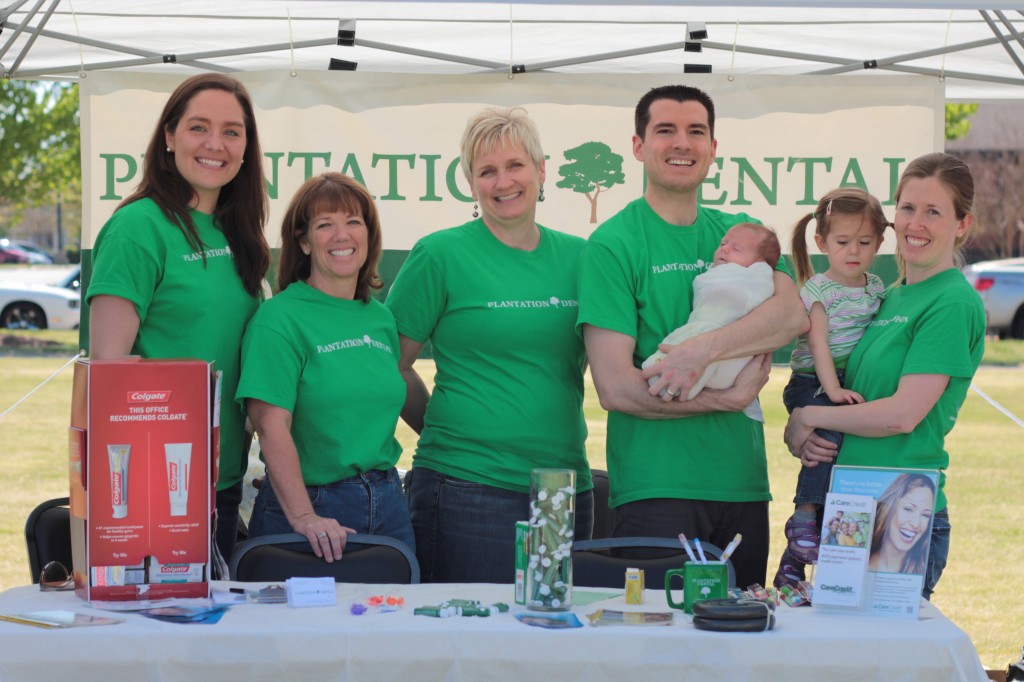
(274, 642)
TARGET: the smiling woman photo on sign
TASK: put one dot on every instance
(901, 525)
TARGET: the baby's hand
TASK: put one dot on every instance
(843, 396)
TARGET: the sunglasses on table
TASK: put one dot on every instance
(55, 578)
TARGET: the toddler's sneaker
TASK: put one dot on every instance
(803, 540)
(791, 571)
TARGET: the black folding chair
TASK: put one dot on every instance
(48, 536)
(599, 563)
(375, 559)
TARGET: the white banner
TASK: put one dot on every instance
(782, 141)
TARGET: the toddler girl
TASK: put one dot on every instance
(841, 302)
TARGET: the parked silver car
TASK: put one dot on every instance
(1001, 285)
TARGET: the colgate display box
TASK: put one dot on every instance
(143, 458)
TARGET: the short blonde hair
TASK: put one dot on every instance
(495, 126)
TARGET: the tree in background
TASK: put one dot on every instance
(593, 168)
(958, 120)
(40, 149)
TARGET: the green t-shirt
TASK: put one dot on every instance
(637, 279)
(332, 363)
(508, 393)
(933, 327)
(187, 308)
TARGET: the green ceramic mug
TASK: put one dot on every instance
(700, 581)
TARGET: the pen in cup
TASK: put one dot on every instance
(731, 547)
(700, 551)
(686, 546)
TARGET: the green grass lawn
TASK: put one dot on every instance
(985, 565)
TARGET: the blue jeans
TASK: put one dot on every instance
(938, 552)
(371, 502)
(465, 531)
(801, 391)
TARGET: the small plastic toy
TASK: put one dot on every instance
(460, 607)
(382, 603)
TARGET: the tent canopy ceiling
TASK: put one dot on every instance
(976, 47)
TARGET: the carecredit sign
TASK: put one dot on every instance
(783, 141)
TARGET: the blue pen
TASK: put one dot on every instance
(700, 551)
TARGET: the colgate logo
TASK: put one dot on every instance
(173, 483)
(174, 569)
(115, 481)
(149, 396)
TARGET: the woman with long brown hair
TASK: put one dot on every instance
(178, 269)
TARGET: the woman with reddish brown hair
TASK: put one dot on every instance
(320, 378)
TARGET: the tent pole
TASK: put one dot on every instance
(586, 59)
(191, 58)
(963, 75)
(910, 56)
(187, 58)
(32, 37)
(10, 9)
(20, 28)
(487, 63)
(116, 47)
(1002, 38)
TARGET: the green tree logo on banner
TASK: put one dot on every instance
(593, 168)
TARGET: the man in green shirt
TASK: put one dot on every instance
(696, 466)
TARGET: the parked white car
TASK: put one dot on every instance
(38, 306)
(1001, 286)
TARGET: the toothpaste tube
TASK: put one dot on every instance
(175, 573)
(108, 576)
(179, 458)
(522, 559)
(119, 457)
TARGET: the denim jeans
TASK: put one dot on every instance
(465, 531)
(370, 502)
(938, 552)
(801, 391)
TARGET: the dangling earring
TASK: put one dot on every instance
(540, 197)
(476, 210)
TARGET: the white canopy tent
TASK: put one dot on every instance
(975, 48)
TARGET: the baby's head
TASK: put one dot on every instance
(749, 243)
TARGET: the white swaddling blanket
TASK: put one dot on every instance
(722, 295)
